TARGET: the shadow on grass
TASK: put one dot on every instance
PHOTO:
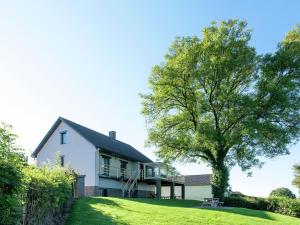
(243, 212)
(83, 212)
(166, 202)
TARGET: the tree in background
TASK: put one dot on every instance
(282, 192)
(296, 180)
(215, 100)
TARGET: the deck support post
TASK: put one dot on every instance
(158, 188)
(172, 195)
(183, 191)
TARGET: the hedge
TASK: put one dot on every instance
(285, 206)
(30, 195)
(49, 193)
(11, 177)
(10, 193)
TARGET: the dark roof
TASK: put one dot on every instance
(197, 180)
(97, 139)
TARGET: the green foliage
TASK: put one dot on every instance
(282, 205)
(10, 193)
(215, 100)
(11, 177)
(43, 191)
(246, 202)
(9, 151)
(49, 188)
(296, 180)
(283, 192)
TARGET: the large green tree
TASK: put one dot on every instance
(215, 100)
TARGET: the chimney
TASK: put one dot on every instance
(112, 134)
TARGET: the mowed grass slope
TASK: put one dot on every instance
(104, 210)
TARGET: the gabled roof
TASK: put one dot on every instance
(97, 139)
(198, 180)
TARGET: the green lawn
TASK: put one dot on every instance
(100, 210)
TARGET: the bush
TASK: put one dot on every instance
(43, 192)
(10, 194)
(11, 177)
(246, 202)
(49, 189)
(282, 205)
(282, 192)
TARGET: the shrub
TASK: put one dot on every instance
(11, 177)
(49, 189)
(283, 192)
(10, 194)
(282, 205)
(246, 202)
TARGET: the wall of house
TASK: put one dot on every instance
(198, 192)
(78, 153)
(191, 192)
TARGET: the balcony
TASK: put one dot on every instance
(158, 170)
(151, 172)
(114, 172)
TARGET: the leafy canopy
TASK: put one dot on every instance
(214, 99)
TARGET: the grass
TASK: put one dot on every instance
(104, 210)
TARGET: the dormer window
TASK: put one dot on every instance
(63, 137)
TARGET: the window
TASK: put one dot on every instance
(123, 167)
(106, 165)
(62, 160)
(63, 137)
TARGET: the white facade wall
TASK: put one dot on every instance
(191, 192)
(78, 153)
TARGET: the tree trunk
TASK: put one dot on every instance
(219, 180)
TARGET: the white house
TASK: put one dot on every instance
(197, 187)
(111, 167)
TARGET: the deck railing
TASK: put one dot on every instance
(114, 172)
(150, 171)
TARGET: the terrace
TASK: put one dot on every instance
(154, 173)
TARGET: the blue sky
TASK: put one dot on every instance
(88, 60)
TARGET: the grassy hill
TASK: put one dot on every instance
(99, 210)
